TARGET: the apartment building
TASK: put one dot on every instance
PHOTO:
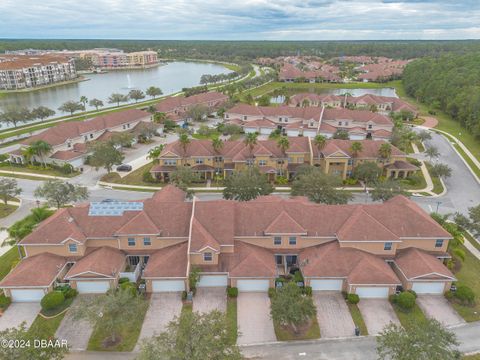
(69, 140)
(381, 104)
(113, 58)
(335, 157)
(30, 71)
(369, 250)
(310, 121)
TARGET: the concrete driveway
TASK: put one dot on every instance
(377, 313)
(253, 318)
(438, 308)
(333, 315)
(76, 332)
(210, 298)
(162, 309)
(18, 313)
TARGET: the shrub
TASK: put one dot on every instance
(4, 302)
(52, 300)
(406, 300)
(353, 298)
(184, 295)
(459, 253)
(123, 280)
(307, 290)
(298, 277)
(393, 298)
(465, 295)
(449, 295)
(148, 178)
(271, 292)
(70, 293)
(413, 293)
(281, 180)
(232, 292)
(350, 181)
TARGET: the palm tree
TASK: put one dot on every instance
(283, 143)
(385, 151)
(320, 141)
(356, 148)
(84, 101)
(251, 140)
(28, 153)
(432, 152)
(184, 142)
(41, 148)
(287, 100)
(217, 144)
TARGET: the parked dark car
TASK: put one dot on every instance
(124, 167)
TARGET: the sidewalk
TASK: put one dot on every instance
(33, 175)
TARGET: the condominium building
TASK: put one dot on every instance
(30, 71)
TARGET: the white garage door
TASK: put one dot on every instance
(93, 287)
(372, 292)
(253, 285)
(428, 287)
(250, 130)
(292, 132)
(27, 295)
(266, 131)
(168, 285)
(212, 280)
(357, 137)
(330, 284)
(309, 133)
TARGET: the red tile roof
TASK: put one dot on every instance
(44, 267)
(415, 263)
(167, 262)
(251, 261)
(102, 262)
(363, 116)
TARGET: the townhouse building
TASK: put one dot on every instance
(291, 73)
(310, 121)
(176, 107)
(29, 71)
(370, 250)
(69, 139)
(335, 157)
(381, 104)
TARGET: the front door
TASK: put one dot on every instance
(291, 260)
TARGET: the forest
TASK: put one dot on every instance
(247, 50)
(451, 83)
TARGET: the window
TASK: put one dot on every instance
(85, 138)
(300, 160)
(277, 240)
(245, 117)
(218, 158)
(147, 241)
(387, 246)
(208, 256)
(198, 161)
(226, 116)
(286, 119)
(72, 248)
(262, 162)
(292, 240)
(249, 161)
(350, 161)
(370, 126)
(170, 162)
(91, 136)
(339, 123)
(131, 241)
(438, 243)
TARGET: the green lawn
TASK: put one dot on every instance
(6, 210)
(469, 276)
(134, 178)
(7, 260)
(437, 184)
(232, 320)
(285, 334)
(37, 170)
(46, 328)
(128, 333)
(358, 318)
(471, 357)
(472, 240)
(445, 122)
(414, 315)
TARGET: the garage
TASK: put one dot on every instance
(326, 284)
(168, 285)
(372, 292)
(265, 131)
(27, 295)
(309, 133)
(293, 132)
(93, 287)
(429, 287)
(253, 285)
(212, 280)
(249, 130)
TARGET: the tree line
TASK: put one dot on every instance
(449, 83)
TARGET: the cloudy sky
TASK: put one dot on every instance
(241, 19)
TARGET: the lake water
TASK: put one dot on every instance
(171, 78)
(354, 92)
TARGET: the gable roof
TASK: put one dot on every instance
(101, 262)
(139, 225)
(284, 224)
(415, 263)
(45, 267)
(168, 262)
(251, 261)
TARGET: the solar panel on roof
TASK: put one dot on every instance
(113, 208)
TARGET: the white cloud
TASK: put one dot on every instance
(240, 19)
